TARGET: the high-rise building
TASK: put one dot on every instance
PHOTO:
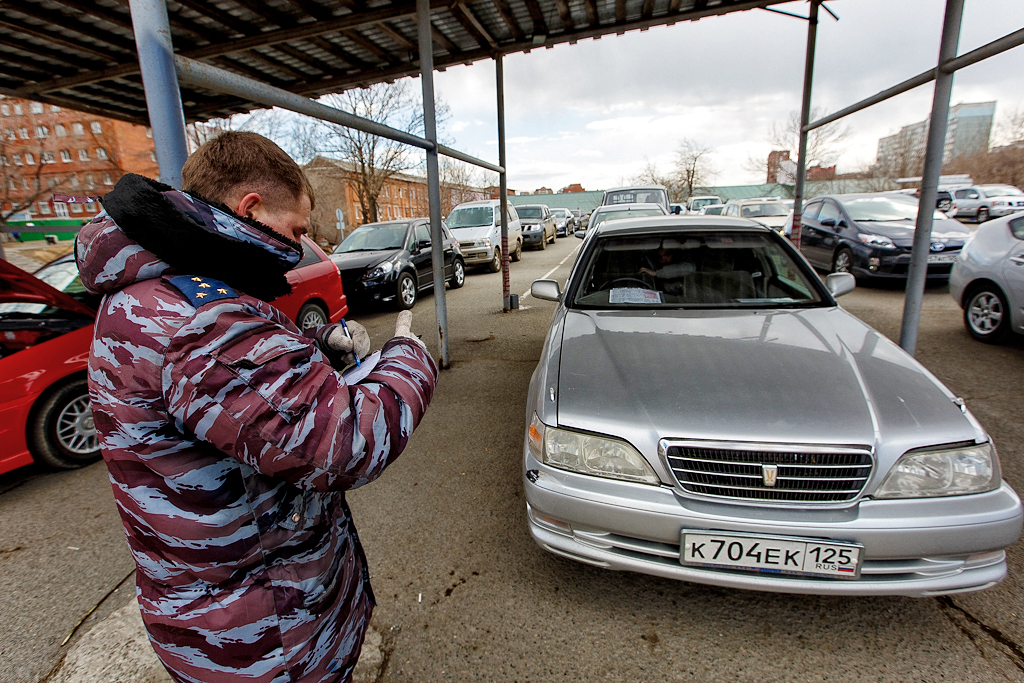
(968, 129)
(47, 150)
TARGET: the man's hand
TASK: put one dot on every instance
(403, 325)
(347, 348)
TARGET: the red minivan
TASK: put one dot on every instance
(45, 330)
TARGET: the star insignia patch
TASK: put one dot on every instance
(201, 291)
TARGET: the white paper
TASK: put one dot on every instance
(357, 373)
(634, 295)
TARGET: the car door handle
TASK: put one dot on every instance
(1018, 260)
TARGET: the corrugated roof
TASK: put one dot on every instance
(579, 201)
(81, 53)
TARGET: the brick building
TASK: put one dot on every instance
(574, 187)
(782, 169)
(46, 149)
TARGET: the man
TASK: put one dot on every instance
(229, 437)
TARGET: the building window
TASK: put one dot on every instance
(101, 153)
(61, 209)
(90, 207)
(10, 134)
(77, 129)
(29, 159)
(60, 130)
(90, 181)
(35, 107)
(107, 180)
(152, 156)
(17, 110)
(5, 110)
(46, 158)
(96, 127)
(52, 181)
(23, 133)
(75, 182)
(83, 155)
(65, 156)
(76, 208)
(44, 208)
(54, 109)
(4, 161)
(42, 132)
(149, 132)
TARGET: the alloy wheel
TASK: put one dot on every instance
(985, 313)
(76, 430)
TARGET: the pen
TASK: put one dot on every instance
(348, 334)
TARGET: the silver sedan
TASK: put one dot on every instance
(987, 280)
(703, 410)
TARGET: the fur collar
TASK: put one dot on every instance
(198, 237)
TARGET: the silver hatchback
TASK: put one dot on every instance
(703, 410)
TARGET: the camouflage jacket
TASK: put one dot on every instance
(230, 441)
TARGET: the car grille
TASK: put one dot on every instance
(803, 475)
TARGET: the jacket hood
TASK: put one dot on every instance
(149, 229)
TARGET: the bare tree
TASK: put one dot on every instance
(1010, 127)
(824, 144)
(1004, 165)
(376, 159)
(460, 182)
(693, 167)
(270, 123)
(652, 175)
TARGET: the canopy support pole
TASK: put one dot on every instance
(160, 81)
(426, 49)
(805, 115)
(506, 288)
(935, 147)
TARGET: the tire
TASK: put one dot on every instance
(982, 214)
(458, 274)
(405, 291)
(986, 314)
(62, 434)
(842, 262)
(554, 236)
(311, 315)
(543, 242)
(517, 255)
(495, 265)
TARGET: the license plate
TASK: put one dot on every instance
(941, 258)
(771, 554)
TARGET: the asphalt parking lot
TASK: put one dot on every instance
(465, 595)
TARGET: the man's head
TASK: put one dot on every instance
(254, 178)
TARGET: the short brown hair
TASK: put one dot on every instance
(240, 161)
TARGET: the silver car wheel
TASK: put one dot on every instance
(985, 313)
(843, 262)
(313, 318)
(408, 292)
(76, 430)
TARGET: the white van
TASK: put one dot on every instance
(477, 227)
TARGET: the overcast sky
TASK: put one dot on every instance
(592, 113)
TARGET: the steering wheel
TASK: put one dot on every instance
(635, 280)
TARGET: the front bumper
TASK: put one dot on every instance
(368, 291)
(477, 255)
(895, 266)
(914, 548)
(532, 237)
(999, 211)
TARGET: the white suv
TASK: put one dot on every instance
(477, 227)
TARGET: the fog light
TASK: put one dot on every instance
(873, 263)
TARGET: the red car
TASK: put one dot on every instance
(45, 330)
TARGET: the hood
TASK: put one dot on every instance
(17, 286)
(810, 376)
(148, 229)
(362, 260)
(771, 221)
(474, 233)
(901, 233)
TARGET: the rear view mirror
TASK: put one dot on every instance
(580, 233)
(423, 244)
(840, 283)
(546, 290)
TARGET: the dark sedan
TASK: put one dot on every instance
(871, 236)
(383, 262)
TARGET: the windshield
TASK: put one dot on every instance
(471, 217)
(714, 209)
(530, 212)
(705, 201)
(894, 208)
(1001, 191)
(602, 216)
(651, 196)
(561, 213)
(62, 276)
(694, 270)
(765, 209)
(374, 237)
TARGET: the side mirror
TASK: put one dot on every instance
(423, 244)
(580, 233)
(546, 290)
(839, 284)
(829, 222)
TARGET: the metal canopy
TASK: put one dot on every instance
(81, 54)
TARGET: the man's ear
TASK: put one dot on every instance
(248, 204)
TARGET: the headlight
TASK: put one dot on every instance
(380, 271)
(947, 472)
(880, 241)
(598, 456)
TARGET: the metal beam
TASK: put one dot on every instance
(1007, 42)
(499, 81)
(805, 114)
(163, 97)
(426, 49)
(918, 273)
